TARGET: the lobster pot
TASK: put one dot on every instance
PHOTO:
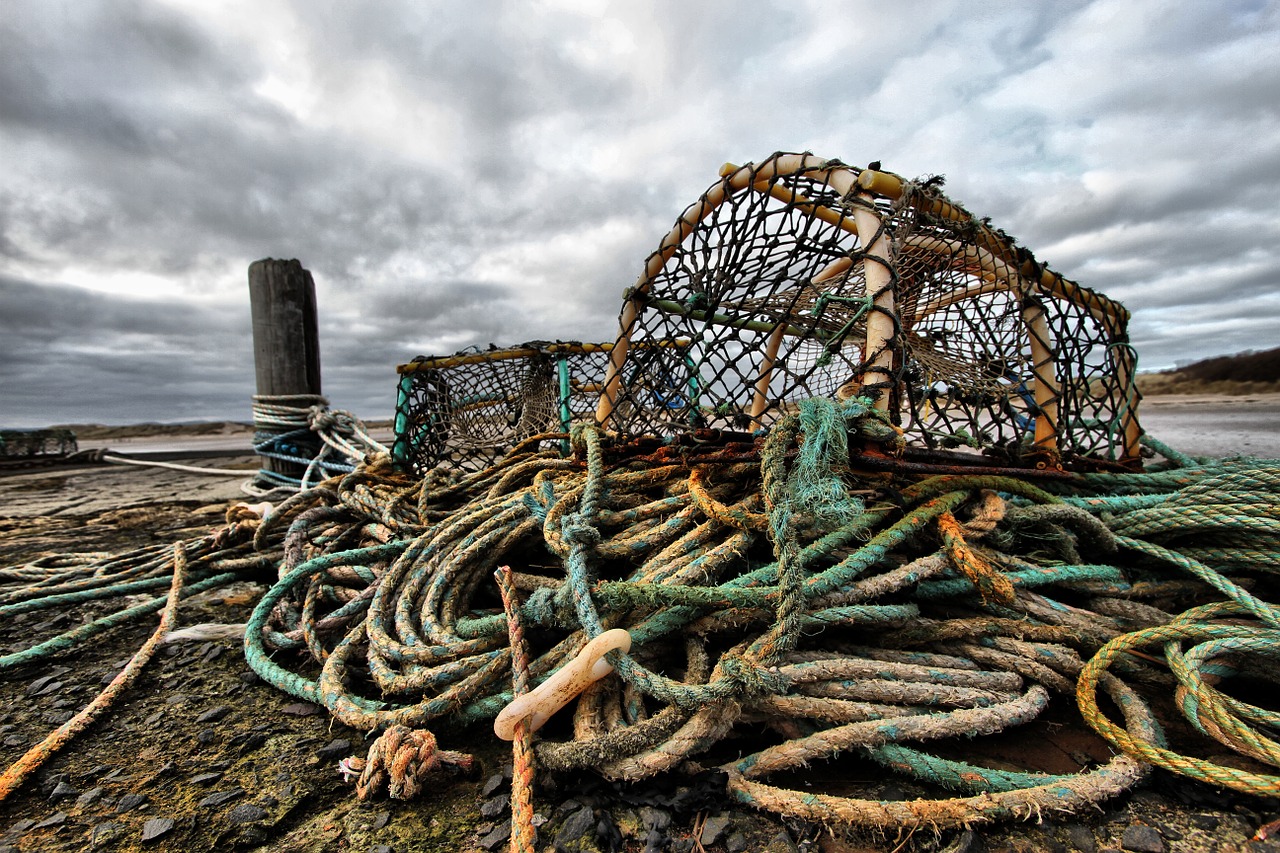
(468, 409)
(801, 277)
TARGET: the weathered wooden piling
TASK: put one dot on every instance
(286, 340)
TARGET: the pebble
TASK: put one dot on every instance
(62, 791)
(214, 714)
(55, 819)
(382, 819)
(156, 828)
(300, 709)
(336, 748)
(578, 827)
(1141, 839)
(737, 843)
(246, 813)
(89, 797)
(494, 806)
(220, 798)
(497, 836)
(153, 719)
(491, 784)
(105, 833)
(712, 828)
(205, 778)
(207, 737)
(129, 802)
(1081, 838)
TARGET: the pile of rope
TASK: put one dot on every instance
(800, 589)
(301, 429)
(840, 607)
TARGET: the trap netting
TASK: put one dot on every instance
(468, 409)
(800, 277)
(35, 443)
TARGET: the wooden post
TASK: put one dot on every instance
(286, 340)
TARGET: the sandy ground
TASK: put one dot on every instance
(1216, 426)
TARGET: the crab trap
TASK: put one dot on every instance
(800, 277)
(468, 409)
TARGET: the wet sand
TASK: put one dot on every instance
(1215, 426)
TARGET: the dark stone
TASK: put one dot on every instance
(248, 676)
(737, 843)
(577, 831)
(205, 778)
(491, 784)
(207, 737)
(15, 740)
(220, 798)
(105, 833)
(494, 806)
(655, 818)
(153, 719)
(782, 843)
(246, 813)
(89, 797)
(156, 828)
(336, 748)
(214, 714)
(129, 802)
(300, 709)
(380, 848)
(381, 820)
(713, 828)
(213, 654)
(1081, 838)
(55, 819)
(1141, 839)
(497, 837)
(177, 699)
(62, 791)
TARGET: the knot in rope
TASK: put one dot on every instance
(551, 608)
(320, 418)
(577, 530)
(399, 760)
(750, 679)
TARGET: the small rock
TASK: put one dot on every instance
(655, 818)
(712, 828)
(1081, 838)
(491, 784)
(214, 714)
(380, 848)
(782, 843)
(156, 828)
(300, 709)
(495, 806)
(129, 802)
(213, 654)
(177, 699)
(105, 833)
(153, 719)
(62, 791)
(381, 820)
(1141, 839)
(44, 686)
(207, 737)
(577, 828)
(497, 836)
(55, 819)
(737, 843)
(1207, 822)
(246, 813)
(220, 798)
(89, 797)
(248, 676)
(205, 778)
(15, 740)
(334, 749)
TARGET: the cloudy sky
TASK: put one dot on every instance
(461, 173)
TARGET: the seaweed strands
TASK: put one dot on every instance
(881, 617)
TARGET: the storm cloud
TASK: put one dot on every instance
(497, 171)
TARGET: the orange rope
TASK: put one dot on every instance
(523, 832)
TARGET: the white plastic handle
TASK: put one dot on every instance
(550, 696)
